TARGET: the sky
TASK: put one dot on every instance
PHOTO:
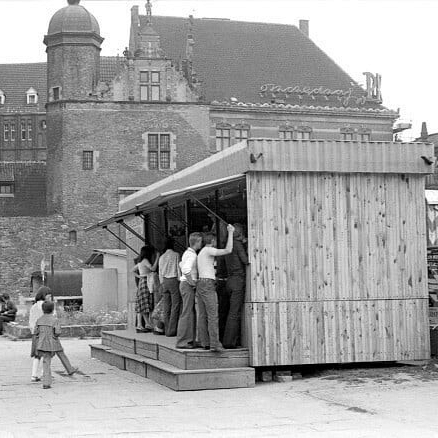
(395, 38)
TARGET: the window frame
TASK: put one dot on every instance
(239, 133)
(221, 139)
(6, 131)
(12, 131)
(87, 160)
(282, 133)
(23, 130)
(7, 194)
(56, 93)
(29, 130)
(159, 151)
(151, 87)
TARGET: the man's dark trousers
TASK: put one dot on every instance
(223, 299)
(236, 289)
(172, 305)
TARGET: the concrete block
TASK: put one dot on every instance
(283, 379)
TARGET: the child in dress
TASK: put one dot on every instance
(36, 311)
(47, 332)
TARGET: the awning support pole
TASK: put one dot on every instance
(206, 208)
(131, 230)
(119, 239)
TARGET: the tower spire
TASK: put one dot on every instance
(149, 13)
(424, 133)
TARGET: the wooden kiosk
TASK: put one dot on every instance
(336, 242)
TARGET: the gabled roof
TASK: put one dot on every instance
(235, 58)
(16, 79)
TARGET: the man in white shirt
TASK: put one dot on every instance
(208, 329)
(186, 334)
(170, 273)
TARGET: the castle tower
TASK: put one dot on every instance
(73, 53)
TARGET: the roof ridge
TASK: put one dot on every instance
(226, 20)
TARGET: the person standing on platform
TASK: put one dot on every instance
(186, 333)
(145, 291)
(206, 291)
(235, 287)
(170, 273)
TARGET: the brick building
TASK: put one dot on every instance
(81, 131)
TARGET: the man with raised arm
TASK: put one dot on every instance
(208, 329)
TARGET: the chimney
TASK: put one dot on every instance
(424, 133)
(304, 27)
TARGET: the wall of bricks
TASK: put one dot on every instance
(113, 131)
(29, 179)
(74, 69)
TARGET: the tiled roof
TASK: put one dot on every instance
(16, 79)
(110, 67)
(234, 58)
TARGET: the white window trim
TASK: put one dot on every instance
(31, 92)
(2, 98)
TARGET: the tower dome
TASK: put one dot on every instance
(73, 53)
(73, 18)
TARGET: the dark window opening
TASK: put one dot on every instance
(87, 160)
(73, 236)
(6, 188)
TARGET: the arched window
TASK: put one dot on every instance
(2, 98)
(31, 96)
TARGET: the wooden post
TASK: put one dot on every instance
(187, 219)
(52, 274)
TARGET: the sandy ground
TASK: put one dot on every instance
(103, 401)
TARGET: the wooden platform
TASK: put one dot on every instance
(155, 357)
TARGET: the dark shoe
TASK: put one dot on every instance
(46, 386)
(207, 347)
(35, 379)
(140, 330)
(73, 371)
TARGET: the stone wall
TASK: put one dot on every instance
(25, 241)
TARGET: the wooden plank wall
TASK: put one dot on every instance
(338, 268)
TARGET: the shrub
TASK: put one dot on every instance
(84, 318)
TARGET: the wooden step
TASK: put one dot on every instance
(173, 377)
(163, 349)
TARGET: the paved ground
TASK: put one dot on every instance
(106, 402)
